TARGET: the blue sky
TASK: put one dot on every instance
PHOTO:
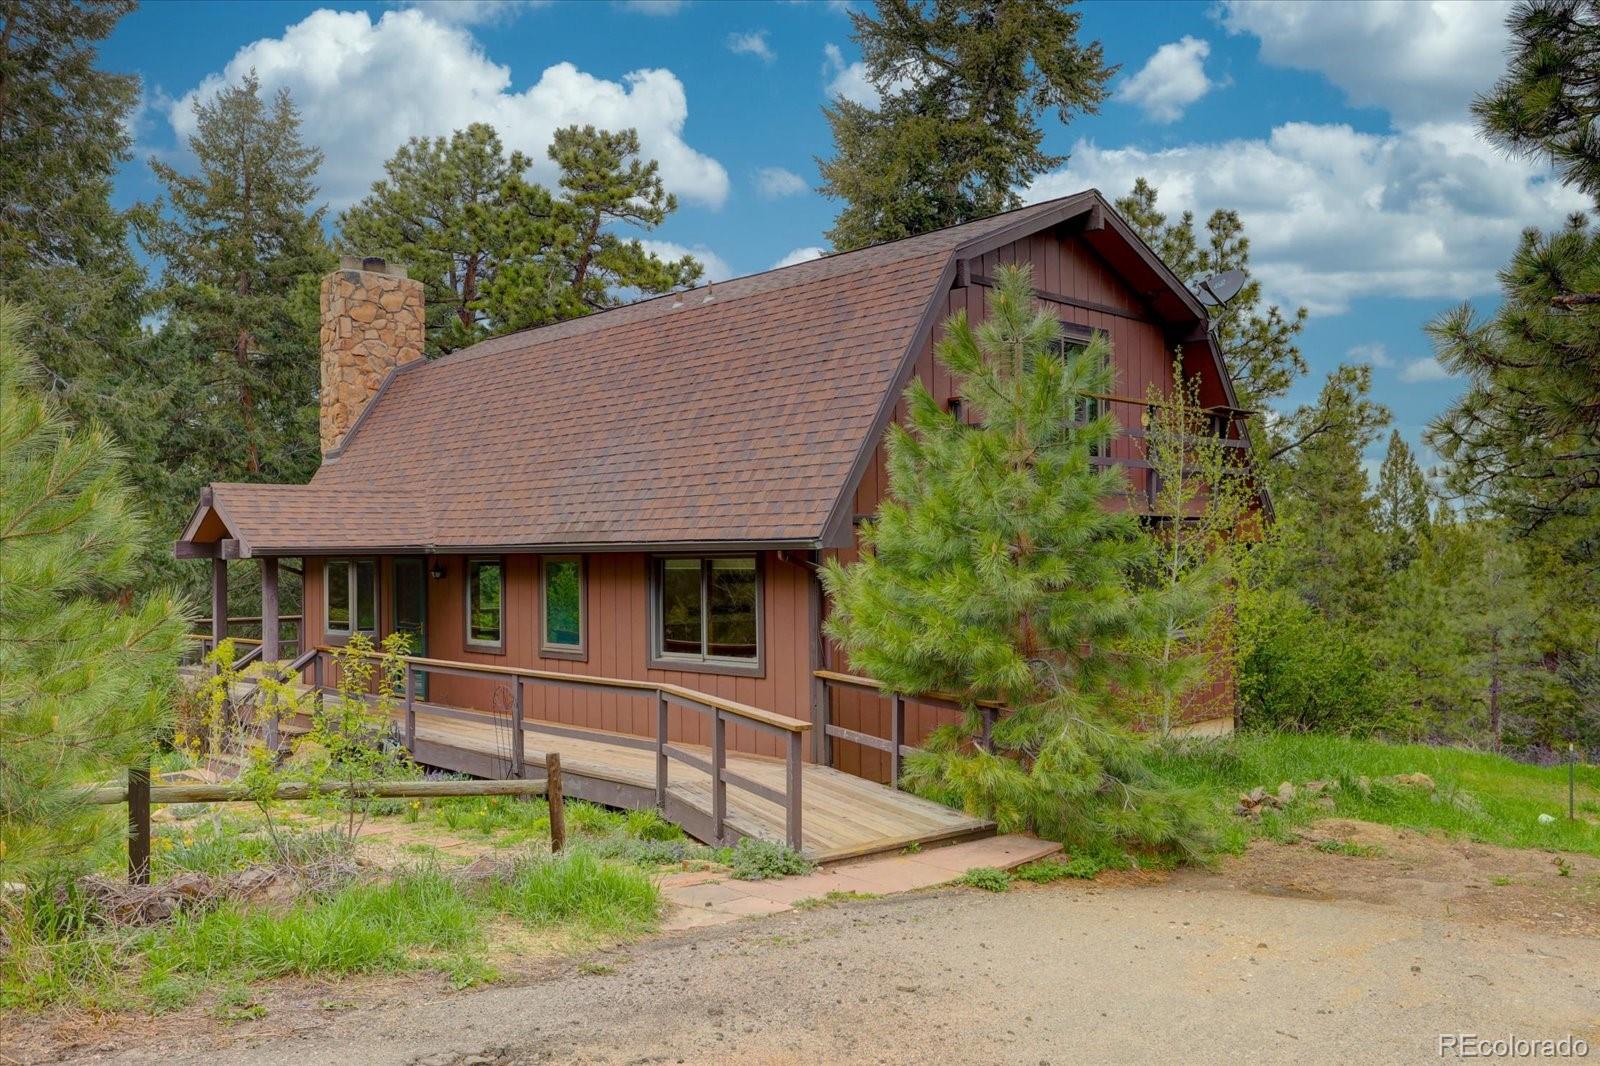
(1339, 131)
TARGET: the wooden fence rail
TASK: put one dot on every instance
(894, 744)
(721, 713)
(140, 795)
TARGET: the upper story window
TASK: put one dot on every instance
(708, 610)
(561, 597)
(350, 597)
(1085, 409)
(486, 604)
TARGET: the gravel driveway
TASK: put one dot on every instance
(1199, 967)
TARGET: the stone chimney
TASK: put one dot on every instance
(372, 322)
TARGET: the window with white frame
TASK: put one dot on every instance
(350, 597)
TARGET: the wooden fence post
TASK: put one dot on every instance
(516, 728)
(661, 751)
(897, 731)
(792, 771)
(411, 709)
(558, 808)
(139, 824)
(719, 787)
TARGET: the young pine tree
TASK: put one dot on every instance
(86, 670)
(1402, 504)
(994, 571)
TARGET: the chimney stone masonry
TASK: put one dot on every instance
(372, 322)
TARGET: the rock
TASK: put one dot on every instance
(1414, 780)
(1285, 794)
(1326, 803)
(1314, 788)
(1546, 819)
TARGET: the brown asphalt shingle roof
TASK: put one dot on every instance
(735, 420)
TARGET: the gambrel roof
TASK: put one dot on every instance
(739, 413)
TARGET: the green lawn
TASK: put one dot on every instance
(1479, 796)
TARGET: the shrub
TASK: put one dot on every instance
(763, 860)
(987, 878)
(1085, 867)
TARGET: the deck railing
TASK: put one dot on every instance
(721, 713)
(894, 744)
(289, 645)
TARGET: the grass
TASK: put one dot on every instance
(988, 878)
(422, 919)
(1478, 795)
(1349, 848)
(1044, 871)
(831, 899)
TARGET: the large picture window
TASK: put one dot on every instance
(561, 595)
(350, 597)
(708, 610)
(486, 604)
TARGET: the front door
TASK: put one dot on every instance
(411, 609)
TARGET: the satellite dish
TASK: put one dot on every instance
(1218, 289)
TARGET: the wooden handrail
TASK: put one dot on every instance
(894, 745)
(721, 711)
(858, 681)
(733, 707)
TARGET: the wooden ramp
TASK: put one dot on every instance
(843, 816)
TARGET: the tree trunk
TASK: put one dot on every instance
(1494, 689)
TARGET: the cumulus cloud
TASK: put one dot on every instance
(476, 12)
(848, 80)
(752, 44)
(364, 87)
(717, 268)
(1430, 211)
(1427, 369)
(657, 8)
(800, 255)
(1171, 79)
(776, 182)
(1418, 61)
(1373, 354)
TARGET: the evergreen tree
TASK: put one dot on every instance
(995, 571)
(1499, 614)
(1329, 519)
(87, 670)
(1259, 345)
(962, 85)
(1402, 503)
(566, 258)
(1546, 102)
(63, 246)
(441, 212)
(242, 249)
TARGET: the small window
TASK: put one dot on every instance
(486, 615)
(561, 591)
(350, 587)
(1085, 409)
(708, 610)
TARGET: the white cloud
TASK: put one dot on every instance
(776, 182)
(752, 44)
(848, 80)
(1426, 369)
(364, 87)
(800, 255)
(657, 8)
(1374, 354)
(1418, 60)
(476, 12)
(1333, 214)
(717, 268)
(1171, 79)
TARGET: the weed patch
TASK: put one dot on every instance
(987, 878)
(762, 860)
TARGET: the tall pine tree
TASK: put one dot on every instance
(995, 572)
(1402, 501)
(241, 246)
(961, 87)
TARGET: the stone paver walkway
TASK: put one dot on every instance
(701, 899)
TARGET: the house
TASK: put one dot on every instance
(644, 494)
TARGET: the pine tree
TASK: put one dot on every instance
(1500, 621)
(87, 670)
(566, 258)
(242, 249)
(995, 572)
(962, 85)
(441, 212)
(1402, 504)
(63, 246)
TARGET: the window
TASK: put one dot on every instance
(561, 595)
(486, 611)
(350, 585)
(1085, 409)
(708, 610)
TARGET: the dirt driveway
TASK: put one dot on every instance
(1289, 954)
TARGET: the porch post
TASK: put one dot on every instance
(219, 601)
(269, 610)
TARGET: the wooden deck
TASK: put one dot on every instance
(843, 816)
